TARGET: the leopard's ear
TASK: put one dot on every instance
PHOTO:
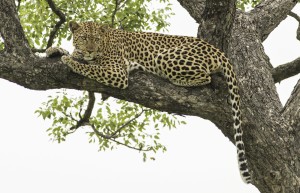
(73, 25)
(104, 28)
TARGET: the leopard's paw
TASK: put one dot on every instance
(56, 51)
(66, 59)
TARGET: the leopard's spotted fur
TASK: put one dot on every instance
(185, 61)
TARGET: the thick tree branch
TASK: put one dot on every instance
(11, 30)
(195, 8)
(287, 70)
(269, 13)
(145, 89)
(291, 113)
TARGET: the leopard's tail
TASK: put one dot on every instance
(235, 102)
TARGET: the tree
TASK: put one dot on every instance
(131, 125)
(270, 130)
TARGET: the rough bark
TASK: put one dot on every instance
(271, 131)
(11, 30)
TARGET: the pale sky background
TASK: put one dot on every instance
(199, 157)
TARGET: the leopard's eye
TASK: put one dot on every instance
(97, 39)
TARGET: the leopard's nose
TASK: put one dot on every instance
(90, 47)
(89, 50)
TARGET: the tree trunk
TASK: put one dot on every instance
(271, 131)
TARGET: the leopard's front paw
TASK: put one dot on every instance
(66, 59)
(56, 51)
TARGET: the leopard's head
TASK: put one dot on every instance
(89, 38)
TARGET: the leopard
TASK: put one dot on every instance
(108, 55)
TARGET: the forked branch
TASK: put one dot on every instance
(84, 120)
(62, 19)
(269, 13)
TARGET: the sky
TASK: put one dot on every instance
(199, 157)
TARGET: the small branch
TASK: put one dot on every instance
(123, 4)
(69, 115)
(18, 5)
(87, 114)
(62, 19)
(85, 121)
(294, 15)
(114, 13)
(99, 134)
(287, 70)
(88, 111)
(114, 134)
(120, 21)
(131, 147)
(118, 6)
(127, 123)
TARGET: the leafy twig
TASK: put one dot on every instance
(85, 121)
(113, 135)
(110, 137)
(131, 147)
